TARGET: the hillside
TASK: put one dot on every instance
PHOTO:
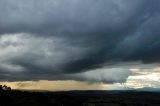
(78, 98)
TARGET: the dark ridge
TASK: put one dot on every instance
(79, 98)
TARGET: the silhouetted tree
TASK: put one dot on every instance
(8, 88)
(1, 87)
(4, 87)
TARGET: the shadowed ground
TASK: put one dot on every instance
(79, 98)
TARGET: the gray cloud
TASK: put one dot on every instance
(61, 40)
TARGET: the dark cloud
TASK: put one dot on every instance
(60, 40)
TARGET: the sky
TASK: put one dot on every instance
(80, 44)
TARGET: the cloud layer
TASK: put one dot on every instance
(77, 40)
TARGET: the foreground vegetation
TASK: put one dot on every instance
(77, 98)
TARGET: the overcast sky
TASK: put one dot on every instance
(80, 40)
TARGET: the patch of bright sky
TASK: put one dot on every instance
(144, 78)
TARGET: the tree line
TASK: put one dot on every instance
(5, 87)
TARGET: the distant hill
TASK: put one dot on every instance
(149, 89)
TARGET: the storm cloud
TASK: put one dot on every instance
(77, 40)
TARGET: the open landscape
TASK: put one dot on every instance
(79, 98)
(79, 52)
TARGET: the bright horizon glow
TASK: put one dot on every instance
(141, 79)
